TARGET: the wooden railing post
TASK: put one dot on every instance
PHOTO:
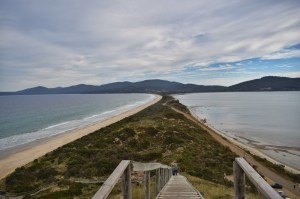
(157, 181)
(126, 183)
(112, 180)
(166, 176)
(241, 168)
(147, 184)
(163, 178)
(239, 182)
(123, 171)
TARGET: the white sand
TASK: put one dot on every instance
(22, 155)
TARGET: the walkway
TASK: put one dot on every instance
(178, 187)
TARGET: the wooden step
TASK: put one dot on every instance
(178, 187)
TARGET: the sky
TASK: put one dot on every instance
(208, 42)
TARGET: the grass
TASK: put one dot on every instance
(215, 190)
(138, 191)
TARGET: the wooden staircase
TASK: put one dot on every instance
(179, 187)
(173, 187)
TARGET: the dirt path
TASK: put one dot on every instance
(288, 185)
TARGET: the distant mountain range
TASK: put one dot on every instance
(269, 83)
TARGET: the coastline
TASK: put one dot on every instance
(18, 156)
(269, 175)
(243, 146)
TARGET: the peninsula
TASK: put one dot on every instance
(164, 132)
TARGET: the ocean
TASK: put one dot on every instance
(266, 121)
(27, 118)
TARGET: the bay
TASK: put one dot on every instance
(266, 121)
(26, 118)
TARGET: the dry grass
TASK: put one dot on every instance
(209, 190)
(138, 191)
(212, 190)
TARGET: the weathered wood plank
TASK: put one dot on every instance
(138, 166)
(157, 181)
(264, 188)
(109, 184)
(178, 187)
(239, 182)
(126, 183)
(163, 176)
(162, 180)
(147, 184)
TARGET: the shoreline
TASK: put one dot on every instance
(245, 147)
(271, 176)
(15, 157)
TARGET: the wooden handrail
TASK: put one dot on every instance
(109, 184)
(240, 168)
(163, 174)
(138, 166)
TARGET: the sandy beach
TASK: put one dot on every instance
(245, 147)
(11, 159)
(240, 149)
(235, 147)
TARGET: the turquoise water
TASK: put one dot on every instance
(24, 119)
(269, 121)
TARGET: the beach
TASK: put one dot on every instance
(251, 121)
(238, 149)
(243, 146)
(13, 158)
(241, 150)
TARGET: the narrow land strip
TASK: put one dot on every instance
(288, 185)
(20, 156)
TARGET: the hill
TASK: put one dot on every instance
(269, 83)
(147, 86)
(167, 87)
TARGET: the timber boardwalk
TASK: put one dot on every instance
(169, 187)
(179, 187)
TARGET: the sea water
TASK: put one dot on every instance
(267, 121)
(27, 118)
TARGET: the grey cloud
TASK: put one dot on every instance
(92, 40)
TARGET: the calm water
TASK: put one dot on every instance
(25, 119)
(269, 121)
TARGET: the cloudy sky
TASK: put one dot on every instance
(67, 42)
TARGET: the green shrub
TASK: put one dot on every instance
(151, 131)
(151, 156)
(65, 194)
(126, 133)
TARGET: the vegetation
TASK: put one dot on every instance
(207, 188)
(216, 190)
(155, 134)
(279, 169)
